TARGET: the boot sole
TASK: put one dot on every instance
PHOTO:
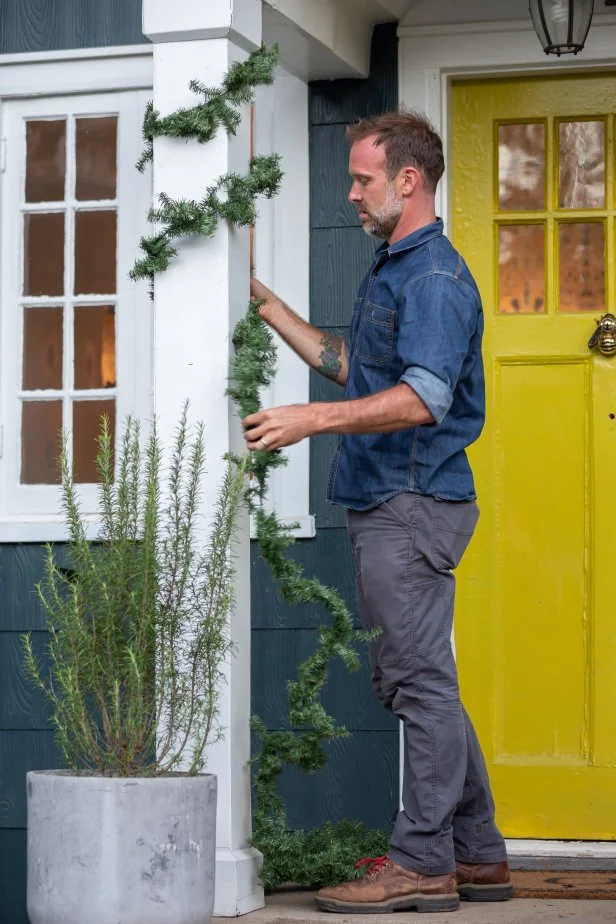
(486, 893)
(419, 903)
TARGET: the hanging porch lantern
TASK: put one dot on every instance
(562, 25)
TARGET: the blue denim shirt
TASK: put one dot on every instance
(417, 319)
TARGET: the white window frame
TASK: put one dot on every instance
(90, 82)
(282, 262)
(282, 247)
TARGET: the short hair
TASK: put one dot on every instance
(409, 140)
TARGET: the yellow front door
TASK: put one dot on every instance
(534, 213)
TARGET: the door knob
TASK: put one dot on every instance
(604, 338)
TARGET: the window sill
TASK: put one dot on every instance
(42, 529)
(52, 529)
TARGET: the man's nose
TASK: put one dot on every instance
(354, 193)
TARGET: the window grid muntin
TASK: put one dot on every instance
(68, 301)
(553, 215)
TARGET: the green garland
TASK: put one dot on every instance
(219, 106)
(185, 217)
(253, 366)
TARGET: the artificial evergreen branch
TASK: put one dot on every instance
(230, 199)
(252, 367)
(219, 107)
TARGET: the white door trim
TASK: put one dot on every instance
(430, 57)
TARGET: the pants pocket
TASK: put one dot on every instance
(454, 525)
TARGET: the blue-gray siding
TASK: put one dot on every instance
(49, 25)
(26, 743)
(360, 780)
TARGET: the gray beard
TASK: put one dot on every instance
(382, 224)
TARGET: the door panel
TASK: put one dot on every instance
(533, 212)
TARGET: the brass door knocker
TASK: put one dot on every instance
(605, 335)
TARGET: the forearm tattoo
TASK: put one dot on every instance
(331, 365)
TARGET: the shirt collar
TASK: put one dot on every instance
(435, 229)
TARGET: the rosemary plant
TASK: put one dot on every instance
(138, 623)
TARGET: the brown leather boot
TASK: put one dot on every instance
(389, 887)
(484, 882)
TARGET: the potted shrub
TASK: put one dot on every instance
(138, 640)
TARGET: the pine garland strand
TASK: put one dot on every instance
(317, 857)
(219, 108)
(232, 197)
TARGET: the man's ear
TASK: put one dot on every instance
(410, 179)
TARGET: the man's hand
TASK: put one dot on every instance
(271, 303)
(279, 426)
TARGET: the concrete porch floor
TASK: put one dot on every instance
(298, 907)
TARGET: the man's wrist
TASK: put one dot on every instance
(320, 418)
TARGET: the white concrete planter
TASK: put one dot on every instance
(120, 851)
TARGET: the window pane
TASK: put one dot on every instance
(521, 167)
(582, 165)
(521, 258)
(86, 431)
(95, 347)
(45, 160)
(95, 253)
(42, 363)
(41, 423)
(96, 143)
(44, 253)
(582, 266)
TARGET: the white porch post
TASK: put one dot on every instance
(197, 303)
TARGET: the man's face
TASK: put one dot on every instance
(372, 192)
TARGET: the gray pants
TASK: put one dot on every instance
(405, 551)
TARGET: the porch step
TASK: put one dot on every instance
(298, 908)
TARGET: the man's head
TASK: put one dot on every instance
(396, 162)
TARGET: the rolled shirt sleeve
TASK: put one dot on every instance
(438, 318)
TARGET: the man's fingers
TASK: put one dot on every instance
(260, 442)
(253, 420)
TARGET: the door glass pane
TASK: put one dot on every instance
(41, 423)
(96, 144)
(582, 266)
(581, 165)
(86, 431)
(95, 253)
(95, 347)
(521, 166)
(42, 360)
(45, 160)
(44, 253)
(521, 259)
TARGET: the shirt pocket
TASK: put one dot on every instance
(375, 337)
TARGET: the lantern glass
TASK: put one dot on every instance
(562, 25)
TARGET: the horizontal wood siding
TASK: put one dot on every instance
(52, 25)
(26, 739)
(360, 780)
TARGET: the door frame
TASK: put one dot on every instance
(430, 58)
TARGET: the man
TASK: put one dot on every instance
(414, 400)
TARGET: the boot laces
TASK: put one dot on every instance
(373, 865)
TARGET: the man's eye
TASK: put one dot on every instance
(364, 181)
